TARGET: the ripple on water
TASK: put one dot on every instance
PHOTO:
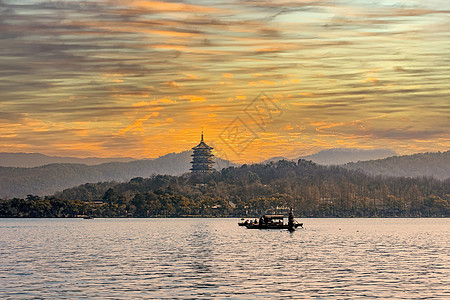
(205, 258)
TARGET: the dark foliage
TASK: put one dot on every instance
(249, 190)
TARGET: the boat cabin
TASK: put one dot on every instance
(272, 219)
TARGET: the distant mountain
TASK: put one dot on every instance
(422, 164)
(48, 179)
(30, 160)
(274, 160)
(340, 156)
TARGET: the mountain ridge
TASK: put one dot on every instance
(48, 179)
(31, 160)
(341, 156)
(326, 157)
(338, 156)
(433, 164)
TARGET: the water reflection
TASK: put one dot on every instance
(205, 258)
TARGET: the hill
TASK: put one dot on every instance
(422, 164)
(46, 180)
(249, 190)
(340, 156)
(30, 160)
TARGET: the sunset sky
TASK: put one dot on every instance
(263, 78)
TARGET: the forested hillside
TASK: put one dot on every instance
(48, 179)
(249, 190)
(416, 165)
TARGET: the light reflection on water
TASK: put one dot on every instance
(205, 258)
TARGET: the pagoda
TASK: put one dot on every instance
(202, 161)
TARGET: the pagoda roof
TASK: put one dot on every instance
(202, 145)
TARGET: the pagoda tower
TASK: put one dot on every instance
(202, 161)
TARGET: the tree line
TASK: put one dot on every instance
(247, 191)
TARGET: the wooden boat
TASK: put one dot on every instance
(275, 222)
(247, 222)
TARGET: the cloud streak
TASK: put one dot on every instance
(112, 63)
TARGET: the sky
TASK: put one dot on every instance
(125, 78)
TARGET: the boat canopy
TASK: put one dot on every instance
(273, 216)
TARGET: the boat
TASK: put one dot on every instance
(247, 222)
(275, 222)
(88, 217)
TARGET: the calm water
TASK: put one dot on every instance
(205, 258)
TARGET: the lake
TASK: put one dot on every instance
(206, 258)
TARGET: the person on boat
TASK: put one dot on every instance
(261, 221)
(291, 225)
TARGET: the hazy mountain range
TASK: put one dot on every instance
(30, 160)
(336, 156)
(340, 156)
(421, 164)
(46, 179)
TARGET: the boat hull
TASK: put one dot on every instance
(272, 226)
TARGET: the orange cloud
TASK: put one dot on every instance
(137, 125)
(192, 98)
(172, 84)
(292, 80)
(238, 98)
(372, 80)
(317, 123)
(261, 82)
(191, 76)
